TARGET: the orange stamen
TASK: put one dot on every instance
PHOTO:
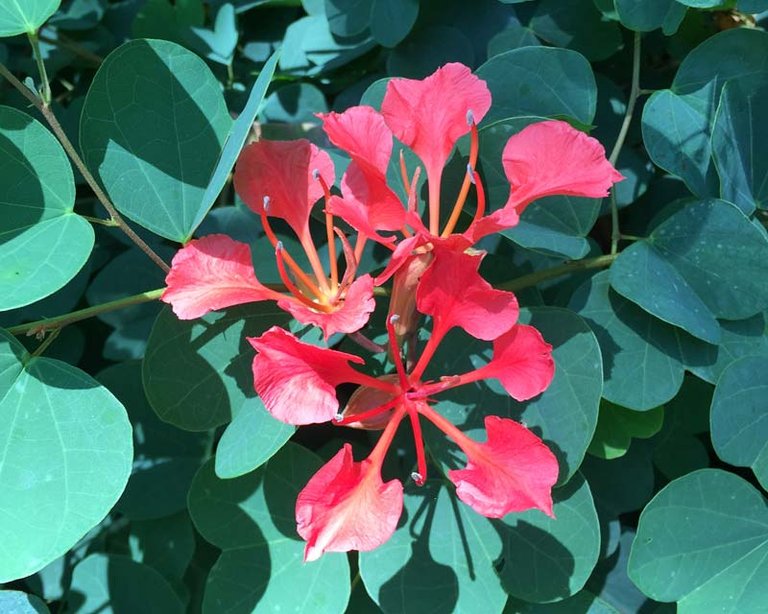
(474, 147)
(404, 173)
(292, 287)
(334, 265)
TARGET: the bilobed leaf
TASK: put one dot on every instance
(705, 261)
(617, 426)
(560, 85)
(112, 583)
(546, 559)
(740, 146)
(67, 456)
(740, 415)
(584, 602)
(392, 20)
(348, 17)
(703, 542)
(650, 14)
(197, 373)
(641, 359)
(25, 16)
(252, 519)
(153, 127)
(43, 243)
(440, 559)
(165, 459)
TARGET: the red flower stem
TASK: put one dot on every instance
(292, 287)
(474, 148)
(379, 451)
(367, 414)
(426, 355)
(467, 445)
(404, 173)
(334, 265)
(418, 441)
(301, 275)
(395, 349)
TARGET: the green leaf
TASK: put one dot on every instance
(553, 225)
(392, 20)
(348, 17)
(564, 415)
(67, 456)
(650, 14)
(677, 137)
(16, 602)
(739, 412)
(167, 545)
(740, 146)
(703, 542)
(578, 25)
(250, 440)
(546, 559)
(426, 49)
(238, 134)
(25, 16)
(440, 558)
(165, 460)
(641, 358)
(294, 104)
(561, 85)
(153, 127)
(583, 602)
(197, 373)
(79, 15)
(166, 19)
(43, 243)
(218, 44)
(705, 261)
(514, 36)
(110, 583)
(617, 426)
(252, 519)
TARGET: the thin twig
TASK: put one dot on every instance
(48, 114)
(70, 45)
(535, 278)
(634, 92)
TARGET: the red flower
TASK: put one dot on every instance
(284, 180)
(346, 506)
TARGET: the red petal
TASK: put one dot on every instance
(297, 381)
(345, 506)
(430, 115)
(352, 314)
(513, 471)
(369, 205)
(522, 362)
(552, 157)
(454, 294)
(212, 273)
(283, 170)
(403, 253)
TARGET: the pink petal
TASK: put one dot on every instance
(297, 381)
(454, 294)
(513, 471)
(350, 316)
(212, 273)
(522, 362)
(369, 205)
(552, 157)
(283, 171)
(430, 115)
(403, 254)
(346, 506)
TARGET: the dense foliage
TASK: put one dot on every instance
(611, 416)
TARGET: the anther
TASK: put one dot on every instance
(315, 174)
(418, 478)
(471, 173)
(338, 417)
(266, 203)
(470, 117)
(279, 246)
(394, 318)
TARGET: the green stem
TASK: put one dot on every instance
(70, 45)
(100, 221)
(634, 92)
(57, 322)
(535, 278)
(45, 94)
(46, 342)
(78, 162)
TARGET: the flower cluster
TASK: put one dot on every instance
(434, 271)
